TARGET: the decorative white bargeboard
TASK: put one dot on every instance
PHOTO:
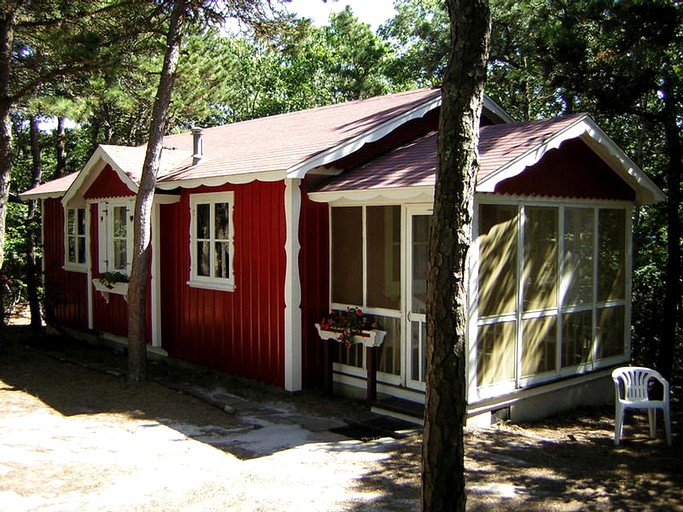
(373, 338)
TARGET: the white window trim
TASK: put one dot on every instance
(205, 282)
(106, 227)
(74, 266)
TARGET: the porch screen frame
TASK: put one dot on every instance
(595, 306)
(394, 315)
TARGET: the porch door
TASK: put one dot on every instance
(419, 219)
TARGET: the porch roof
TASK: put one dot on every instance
(505, 150)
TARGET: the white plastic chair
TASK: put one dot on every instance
(632, 392)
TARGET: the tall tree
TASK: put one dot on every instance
(33, 228)
(443, 472)
(44, 41)
(182, 12)
(137, 287)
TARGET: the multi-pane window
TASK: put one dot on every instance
(212, 240)
(552, 290)
(115, 235)
(75, 237)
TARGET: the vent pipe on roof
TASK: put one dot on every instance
(197, 145)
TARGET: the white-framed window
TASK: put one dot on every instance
(212, 241)
(552, 288)
(115, 235)
(75, 239)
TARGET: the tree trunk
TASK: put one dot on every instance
(61, 148)
(672, 291)
(6, 41)
(443, 472)
(142, 229)
(32, 278)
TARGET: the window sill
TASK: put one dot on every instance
(74, 268)
(212, 285)
(115, 288)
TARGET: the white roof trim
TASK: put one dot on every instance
(217, 181)
(587, 130)
(401, 194)
(497, 110)
(28, 196)
(100, 155)
(350, 146)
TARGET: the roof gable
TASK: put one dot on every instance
(107, 184)
(505, 151)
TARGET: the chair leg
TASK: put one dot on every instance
(618, 426)
(652, 415)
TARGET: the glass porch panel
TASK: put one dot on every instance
(420, 261)
(80, 225)
(120, 254)
(203, 221)
(221, 221)
(120, 222)
(577, 338)
(389, 352)
(384, 256)
(203, 258)
(577, 273)
(610, 331)
(222, 259)
(347, 255)
(418, 350)
(71, 248)
(540, 258)
(496, 353)
(539, 342)
(80, 242)
(611, 254)
(497, 259)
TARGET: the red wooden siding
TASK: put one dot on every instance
(66, 291)
(314, 269)
(107, 184)
(241, 332)
(572, 170)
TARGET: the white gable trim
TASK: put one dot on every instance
(354, 144)
(233, 179)
(587, 130)
(400, 195)
(92, 169)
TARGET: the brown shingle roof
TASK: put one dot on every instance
(414, 164)
(280, 142)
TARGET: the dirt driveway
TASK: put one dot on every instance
(72, 437)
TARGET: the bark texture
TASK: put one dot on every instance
(7, 20)
(60, 148)
(672, 293)
(142, 229)
(32, 277)
(443, 472)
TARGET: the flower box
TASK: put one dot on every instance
(372, 338)
(106, 288)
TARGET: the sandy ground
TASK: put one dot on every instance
(73, 437)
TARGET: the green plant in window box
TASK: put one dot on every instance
(109, 279)
(348, 324)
